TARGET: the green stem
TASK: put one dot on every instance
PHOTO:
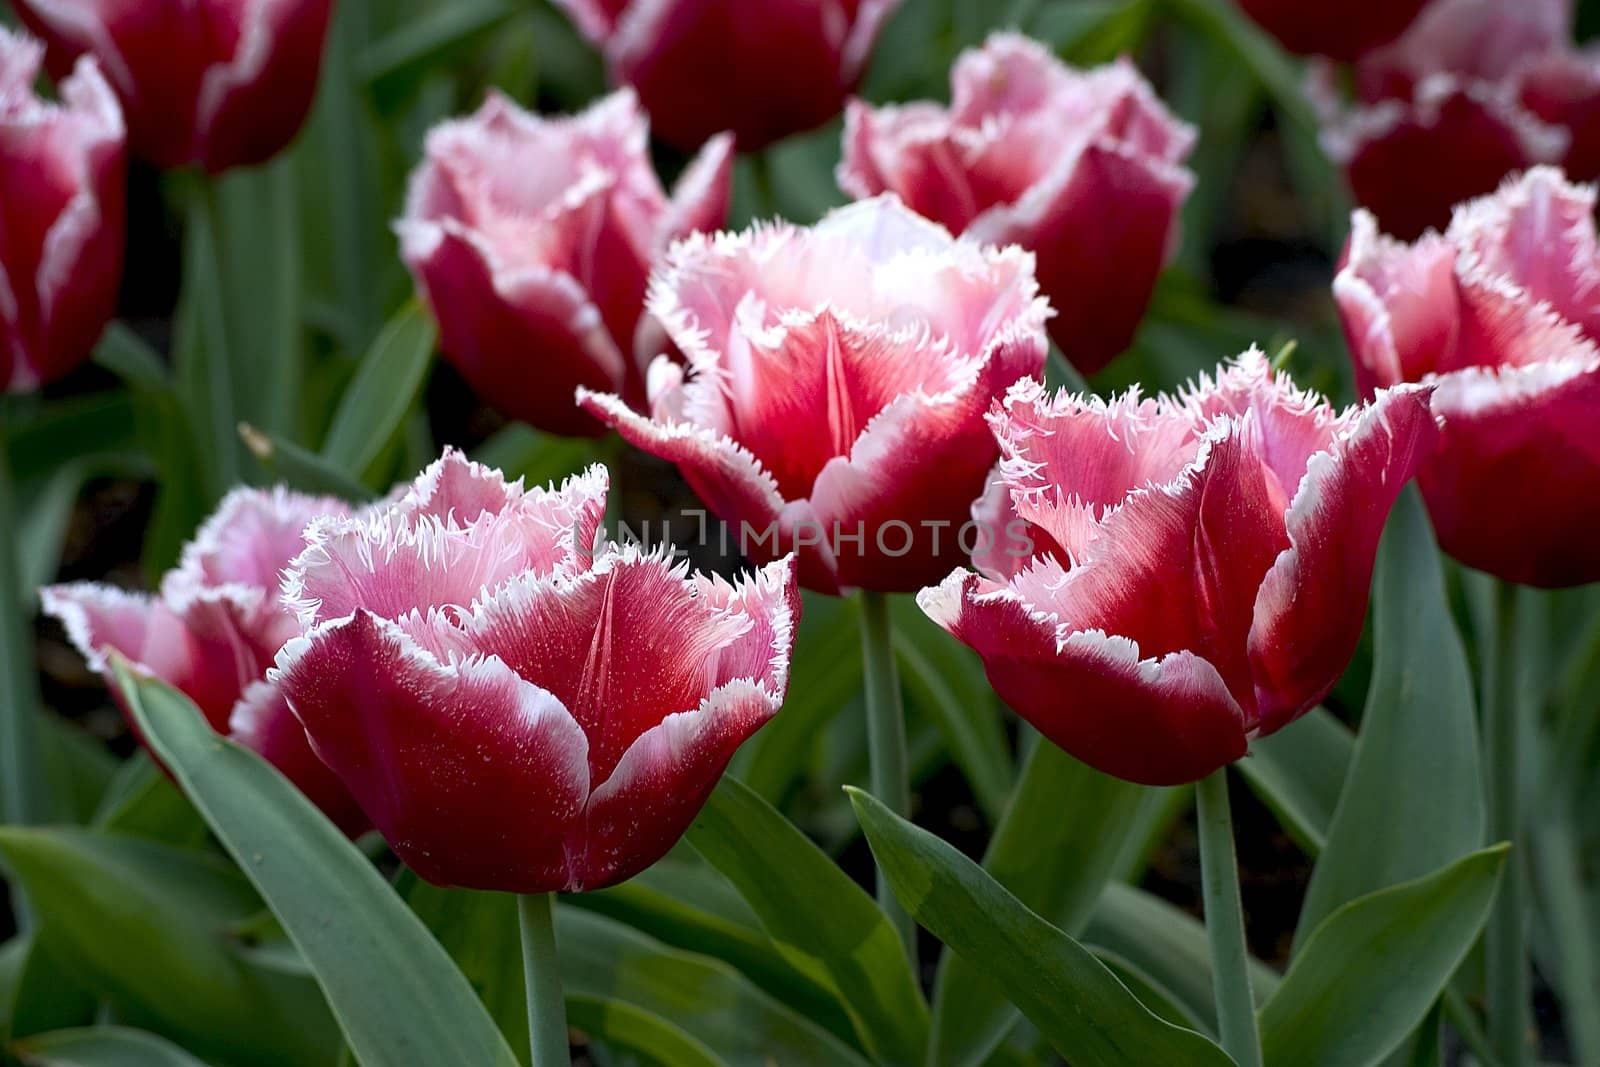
(1557, 857)
(22, 787)
(886, 742)
(1504, 939)
(1230, 959)
(541, 971)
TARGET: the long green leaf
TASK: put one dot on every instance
(1079, 1006)
(821, 921)
(1371, 972)
(102, 1046)
(630, 1028)
(1298, 772)
(397, 995)
(395, 66)
(302, 469)
(374, 407)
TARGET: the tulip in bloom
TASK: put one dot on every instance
(1338, 31)
(1203, 562)
(1473, 91)
(763, 70)
(837, 380)
(533, 240)
(1082, 168)
(215, 629)
(516, 708)
(209, 83)
(1502, 315)
(62, 169)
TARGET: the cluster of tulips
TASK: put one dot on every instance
(517, 699)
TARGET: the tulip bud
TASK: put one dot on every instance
(210, 83)
(533, 239)
(62, 170)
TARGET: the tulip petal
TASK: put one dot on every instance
(770, 599)
(1398, 304)
(700, 199)
(1563, 89)
(263, 723)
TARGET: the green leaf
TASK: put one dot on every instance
(538, 459)
(480, 932)
(1079, 1006)
(396, 66)
(705, 998)
(374, 407)
(40, 991)
(24, 792)
(302, 469)
(1054, 851)
(822, 922)
(397, 995)
(1370, 973)
(1298, 773)
(625, 1026)
(143, 925)
(78, 768)
(202, 355)
(1413, 799)
(142, 802)
(102, 1046)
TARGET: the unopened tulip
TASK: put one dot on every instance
(763, 70)
(1083, 168)
(533, 240)
(1202, 562)
(1338, 31)
(1500, 314)
(209, 83)
(516, 707)
(62, 168)
(837, 381)
(214, 630)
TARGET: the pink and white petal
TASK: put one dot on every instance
(1522, 438)
(1398, 304)
(909, 150)
(668, 771)
(263, 723)
(1157, 721)
(1003, 543)
(1312, 605)
(595, 19)
(1484, 40)
(770, 599)
(1563, 89)
(1502, 325)
(474, 776)
(458, 491)
(700, 199)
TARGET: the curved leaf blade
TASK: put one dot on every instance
(102, 1046)
(374, 405)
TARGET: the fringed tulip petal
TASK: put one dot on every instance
(261, 721)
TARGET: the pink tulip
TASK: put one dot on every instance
(533, 239)
(62, 168)
(214, 630)
(838, 376)
(763, 70)
(1203, 562)
(1338, 31)
(1084, 169)
(1502, 314)
(516, 708)
(210, 83)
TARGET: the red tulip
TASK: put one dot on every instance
(1202, 562)
(838, 376)
(763, 70)
(515, 708)
(212, 83)
(62, 169)
(1339, 31)
(215, 629)
(1501, 315)
(533, 240)
(1473, 91)
(1084, 169)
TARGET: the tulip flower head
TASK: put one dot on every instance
(1501, 314)
(763, 70)
(1083, 168)
(516, 707)
(210, 83)
(837, 381)
(1202, 568)
(1343, 32)
(533, 240)
(62, 169)
(214, 630)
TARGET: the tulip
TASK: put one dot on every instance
(533, 240)
(1344, 31)
(62, 168)
(1200, 567)
(1499, 314)
(214, 630)
(836, 384)
(211, 83)
(763, 70)
(1084, 169)
(516, 708)
(1475, 90)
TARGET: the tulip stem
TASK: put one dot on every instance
(21, 776)
(886, 742)
(1230, 958)
(541, 970)
(1504, 942)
